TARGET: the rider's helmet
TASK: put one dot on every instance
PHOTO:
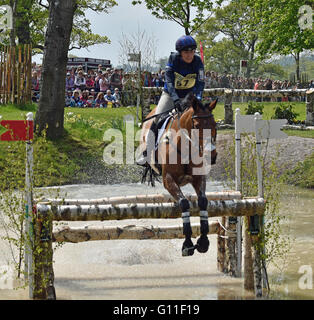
(185, 43)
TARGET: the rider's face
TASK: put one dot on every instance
(187, 56)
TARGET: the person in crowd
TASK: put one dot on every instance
(75, 100)
(104, 83)
(68, 98)
(91, 102)
(35, 81)
(117, 97)
(84, 98)
(100, 101)
(184, 74)
(110, 99)
(90, 83)
(80, 81)
(115, 80)
(69, 82)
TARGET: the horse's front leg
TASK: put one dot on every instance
(199, 184)
(174, 189)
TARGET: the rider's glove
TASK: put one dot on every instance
(178, 105)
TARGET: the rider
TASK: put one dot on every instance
(184, 73)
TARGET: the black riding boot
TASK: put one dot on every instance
(150, 145)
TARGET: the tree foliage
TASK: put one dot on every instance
(31, 21)
(190, 14)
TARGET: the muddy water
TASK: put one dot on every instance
(155, 269)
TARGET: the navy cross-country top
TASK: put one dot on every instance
(182, 77)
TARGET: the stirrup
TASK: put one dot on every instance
(142, 159)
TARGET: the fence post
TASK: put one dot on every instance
(310, 108)
(43, 257)
(228, 106)
(29, 270)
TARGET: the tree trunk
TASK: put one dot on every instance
(50, 112)
(297, 62)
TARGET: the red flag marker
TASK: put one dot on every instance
(201, 51)
(17, 130)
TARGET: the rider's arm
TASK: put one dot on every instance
(169, 79)
(200, 81)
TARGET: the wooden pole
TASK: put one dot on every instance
(310, 107)
(43, 258)
(228, 107)
(246, 207)
(91, 233)
(248, 260)
(145, 198)
(221, 247)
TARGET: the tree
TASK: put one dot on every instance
(31, 19)
(181, 11)
(231, 22)
(51, 104)
(50, 114)
(281, 27)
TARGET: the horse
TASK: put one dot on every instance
(180, 172)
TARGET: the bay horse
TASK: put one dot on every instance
(182, 171)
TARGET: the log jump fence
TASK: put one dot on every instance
(231, 204)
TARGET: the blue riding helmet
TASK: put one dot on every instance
(185, 43)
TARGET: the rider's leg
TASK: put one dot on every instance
(165, 103)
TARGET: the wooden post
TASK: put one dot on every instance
(231, 244)
(228, 107)
(29, 74)
(43, 258)
(248, 261)
(310, 108)
(19, 85)
(221, 247)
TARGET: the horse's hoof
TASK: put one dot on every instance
(202, 244)
(188, 248)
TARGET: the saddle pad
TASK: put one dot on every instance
(161, 131)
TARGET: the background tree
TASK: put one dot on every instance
(229, 30)
(50, 114)
(281, 30)
(190, 14)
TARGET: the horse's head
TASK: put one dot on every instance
(203, 118)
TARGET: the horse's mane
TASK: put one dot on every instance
(190, 100)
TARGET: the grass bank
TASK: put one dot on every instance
(77, 156)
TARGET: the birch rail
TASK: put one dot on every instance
(91, 233)
(216, 208)
(146, 198)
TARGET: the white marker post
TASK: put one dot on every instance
(243, 124)
(29, 229)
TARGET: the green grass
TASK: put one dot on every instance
(303, 174)
(268, 111)
(77, 156)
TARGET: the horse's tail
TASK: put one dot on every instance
(149, 175)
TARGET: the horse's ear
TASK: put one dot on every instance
(213, 104)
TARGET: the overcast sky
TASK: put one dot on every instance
(127, 18)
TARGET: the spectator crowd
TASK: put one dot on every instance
(106, 87)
